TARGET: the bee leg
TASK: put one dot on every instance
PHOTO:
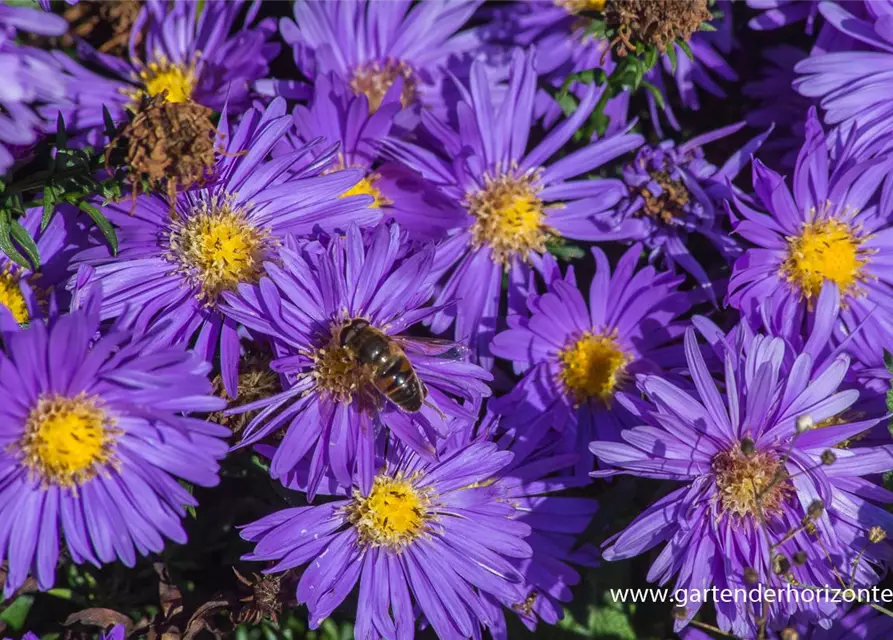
(436, 410)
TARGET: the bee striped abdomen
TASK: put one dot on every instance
(391, 372)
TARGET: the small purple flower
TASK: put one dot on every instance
(583, 356)
(30, 76)
(425, 536)
(834, 227)
(331, 408)
(508, 201)
(25, 292)
(93, 440)
(174, 268)
(850, 77)
(369, 44)
(764, 481)
(337, 115)
(193, 55)
(673, 193)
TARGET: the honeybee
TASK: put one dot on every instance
(392, 373)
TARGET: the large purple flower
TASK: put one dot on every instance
(852, 77)
(768, 496)
(93, 441)
(675, 192)
(422, 535)
(192, 53)
(29, 76)
(834, 227)
(331, 407)
(370, 44)
(456, 539)
(582, 356)
(508, 202)
(174, 267)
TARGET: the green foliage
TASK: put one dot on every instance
(609, 621)
(16, 613)
(71, 176)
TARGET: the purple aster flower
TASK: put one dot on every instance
(174, 267)
(674, 192)
(331, 406)
(582, 356)
(833, 227)
(762, 485)
(406, 526)
(30, 76)
(368, 45)
(339, 116)
(424, 536)
(508, 201)
(175, 47)
(851, 76)
(93, 441)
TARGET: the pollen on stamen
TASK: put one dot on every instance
(218, 248)
(11, 296)
(156, 78)
(825, 250)
(509, 217)
(336, 370)
(593, 367)
(67, 440)
(578, 6)
(667, 202)
(393, 515)
(374, 79)
(754, 485)
(365, 187)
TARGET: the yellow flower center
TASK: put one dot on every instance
(826, 250)
(509, 218)
(67, 440)
(11, 296)
(178, 80)
(337, 370)
(393, 514)
(578, 6)
(218, 248)
(366, 187)
(754, 484)
(374, 79)
(593, 367)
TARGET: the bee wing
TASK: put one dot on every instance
(434, 347)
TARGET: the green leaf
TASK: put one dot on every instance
(49, 206)
(16, 614)
(564, 250)
(61, 133)
(650, 57)
(568, 104)
(6, 241)
(686, 49)
(21, 235)
(654, 91)
(671, 54)
(102, 222)
(707, 26)
(888, 360)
